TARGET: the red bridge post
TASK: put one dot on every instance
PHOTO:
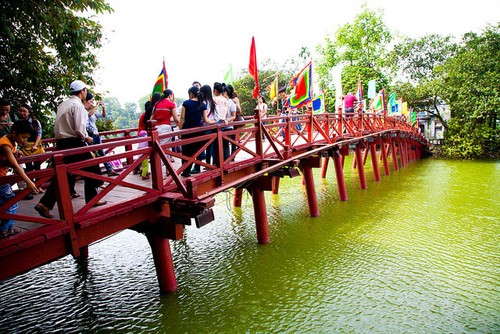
(339, 173)
(275, 185)
(260, 212)
(310, 190)
(383, 155)
(394, 155)
(238, 197)
(373, 155)
(324, 166)
(361, 167)
(163, 262)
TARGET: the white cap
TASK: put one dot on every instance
(77, 86)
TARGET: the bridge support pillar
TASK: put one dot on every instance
(339, 174)
(163, 262)
(275, 185)
(361, 167)
(394, 155)
(310, 190)
(383, 156)
(238, 197)
(84, 253)
(260, 212)
(373, 155)
(402, 152)
(324, 167)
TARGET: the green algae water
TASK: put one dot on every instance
(418, 252)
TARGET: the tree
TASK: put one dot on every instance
(470, 87)
(361, 47)
(413, 61)
(364, 42)
(44, 46)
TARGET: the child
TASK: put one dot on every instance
(20, 132)
(145, 163)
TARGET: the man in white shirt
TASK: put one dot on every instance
(70, 132)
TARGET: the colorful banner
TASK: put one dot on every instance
(302, 87)
(318, 104)
(162, 81)
(377, 104)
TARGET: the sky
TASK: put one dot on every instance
(200, 39)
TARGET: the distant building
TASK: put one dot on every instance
(430, 125)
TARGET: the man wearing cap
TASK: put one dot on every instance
(70, 132)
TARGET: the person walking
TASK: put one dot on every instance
(71, 132)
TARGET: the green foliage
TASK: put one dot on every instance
(464, 140)
(364, 41)
(360, 46)
(415, 59)
(471, 89)
(44, 46)
(118, 117)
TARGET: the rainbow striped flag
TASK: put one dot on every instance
(302, 84)
(162, 81)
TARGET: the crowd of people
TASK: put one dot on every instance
(206, 106)
(75, 126)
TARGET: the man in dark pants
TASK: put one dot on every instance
(70, 132)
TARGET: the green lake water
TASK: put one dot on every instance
(418, 252)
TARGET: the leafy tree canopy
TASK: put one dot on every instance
(44, 46)
(360, 47)
(470, 87)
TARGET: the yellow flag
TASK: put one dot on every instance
(405, 108)
(273, 88)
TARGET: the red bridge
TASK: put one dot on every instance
(161, 206)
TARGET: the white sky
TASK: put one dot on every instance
(200, 39)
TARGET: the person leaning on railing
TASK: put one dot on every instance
(71, 132)
(20, 132)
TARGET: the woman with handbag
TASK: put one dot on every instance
(33, 145)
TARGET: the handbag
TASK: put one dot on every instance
(239, 117)
(28, 151)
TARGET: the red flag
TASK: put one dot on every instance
(252, 68)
